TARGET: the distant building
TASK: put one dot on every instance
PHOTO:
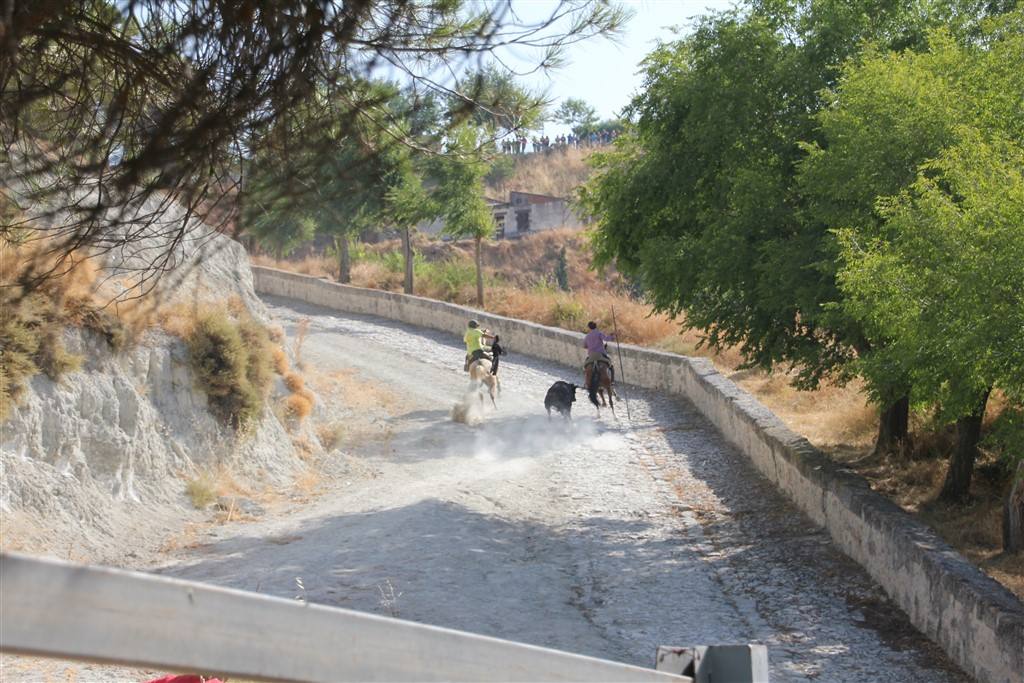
(524, 213)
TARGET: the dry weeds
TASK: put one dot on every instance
(557, 173)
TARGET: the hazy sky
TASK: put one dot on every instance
(603, 72)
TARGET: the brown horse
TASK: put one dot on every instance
(599, 383)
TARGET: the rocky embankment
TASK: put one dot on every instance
(95, 465)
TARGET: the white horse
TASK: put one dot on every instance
(480, 377)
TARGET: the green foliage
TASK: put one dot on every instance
(493, 100)
(943, 286)
(562, 271)
(392, 261)
(233, 364)
(1006, 436)
(460, 193)
(502, 168)
(743, 244)
(201, 490)
(576, 114)
(447, 278)
(918, 256)
(568, 313)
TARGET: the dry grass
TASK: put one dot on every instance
(557, 173)
(201, 490)
(207, 484)
(330, 435)
(301, 331)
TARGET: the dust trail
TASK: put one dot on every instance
(469, 410)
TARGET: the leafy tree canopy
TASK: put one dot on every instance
(576, 114)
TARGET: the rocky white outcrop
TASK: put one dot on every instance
(86, 461)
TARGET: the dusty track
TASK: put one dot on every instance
(600, 537)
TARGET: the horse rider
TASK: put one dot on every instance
(475, 338)
(594, 343)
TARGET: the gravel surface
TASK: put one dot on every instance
(604, 536)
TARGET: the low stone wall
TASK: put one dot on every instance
(977, 621)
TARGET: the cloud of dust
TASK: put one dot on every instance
(513, 444)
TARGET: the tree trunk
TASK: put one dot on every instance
(1013, 514)
(344, 259)
(961, 463)
(407, 254)
(479, 274)
(894, 427)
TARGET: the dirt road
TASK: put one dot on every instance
(604, 537)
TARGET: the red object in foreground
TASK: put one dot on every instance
(187, 678)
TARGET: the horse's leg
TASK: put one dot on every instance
(490, 390)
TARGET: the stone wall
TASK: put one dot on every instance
(977, 621)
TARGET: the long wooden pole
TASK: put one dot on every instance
(622, 369)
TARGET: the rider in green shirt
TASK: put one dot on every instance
(474, 339)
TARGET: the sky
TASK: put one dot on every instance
(603, 72)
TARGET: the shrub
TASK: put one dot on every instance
(280, 360)
(31, 341)
(299, 405)
(18, 346)
(221, 362)
(446, 279)
(83, 312)
(294, 382)
(260, 368)
(568, 313)
(202, 490)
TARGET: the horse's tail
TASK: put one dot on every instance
(595, 382)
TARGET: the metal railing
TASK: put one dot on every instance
(57, 609)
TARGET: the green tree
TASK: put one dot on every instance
(460, 175)
(562, 271)
(944, 285)
(407, 203)
(339, 190)
(491, 98)
(890, 117)
(107, 104)
(732, 246)
(577, 114)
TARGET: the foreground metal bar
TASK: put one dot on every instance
(56, 609)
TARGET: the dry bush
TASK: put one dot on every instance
(294, 382)
(34, 314)
(211, 483)
(375, 276)
(233, 364)
(201, 490)
(298, 406)
(280, 359)
(260, 366)
(330, 435)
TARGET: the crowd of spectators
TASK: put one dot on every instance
(521, 145)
